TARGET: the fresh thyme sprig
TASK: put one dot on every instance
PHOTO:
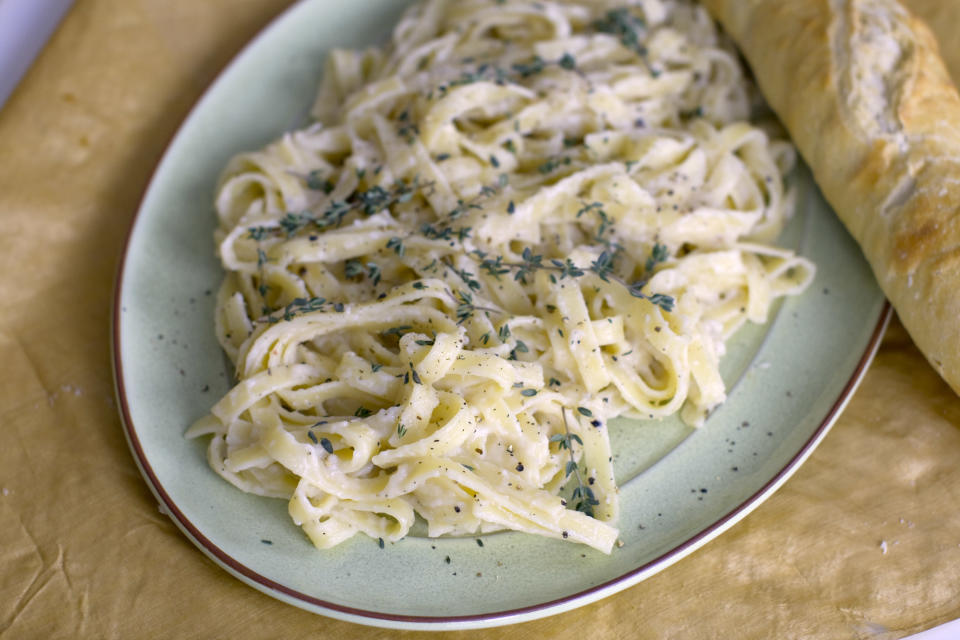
(604, 225)
(434, 232)
(317, 182)
(602, 266)
(466, 307)
(486, 192)
(565, 440)
(658, 254)
(530, 263)
(298, 306)
(262, 287)
(367, 201)
(553, 163)
(486, 72)
(443, 229)
(354, 268)
(408, 130)
(303, 305)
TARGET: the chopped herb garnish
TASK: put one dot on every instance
(373, 272)
(398, 331)
(317, 182)
(353, 268)
(552, 164)
(536, 65)
(396, 244)
(409, 132)
(622, 23)
(587, 208)
(259, 233)
(436, 233)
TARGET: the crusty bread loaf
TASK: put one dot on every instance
(943, 17)
(862, 89)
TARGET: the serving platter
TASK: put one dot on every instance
(788, 381)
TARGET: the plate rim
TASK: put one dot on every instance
(510, 616)
(315, 605)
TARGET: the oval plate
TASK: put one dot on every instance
(788, 382)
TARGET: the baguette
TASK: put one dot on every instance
(943, 17)
(862, 89)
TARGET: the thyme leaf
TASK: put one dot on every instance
(626, 26)
(583, 493)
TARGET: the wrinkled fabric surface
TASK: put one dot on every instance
(863, 542)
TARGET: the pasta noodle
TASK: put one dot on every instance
(513, 223)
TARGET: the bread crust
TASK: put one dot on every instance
(862, 89)
(943, 17)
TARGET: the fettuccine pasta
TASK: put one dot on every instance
(511, 224)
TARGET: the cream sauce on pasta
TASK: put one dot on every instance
(512, 223)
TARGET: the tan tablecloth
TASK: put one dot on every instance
(864, 542)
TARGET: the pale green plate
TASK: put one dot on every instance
(788, 382)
